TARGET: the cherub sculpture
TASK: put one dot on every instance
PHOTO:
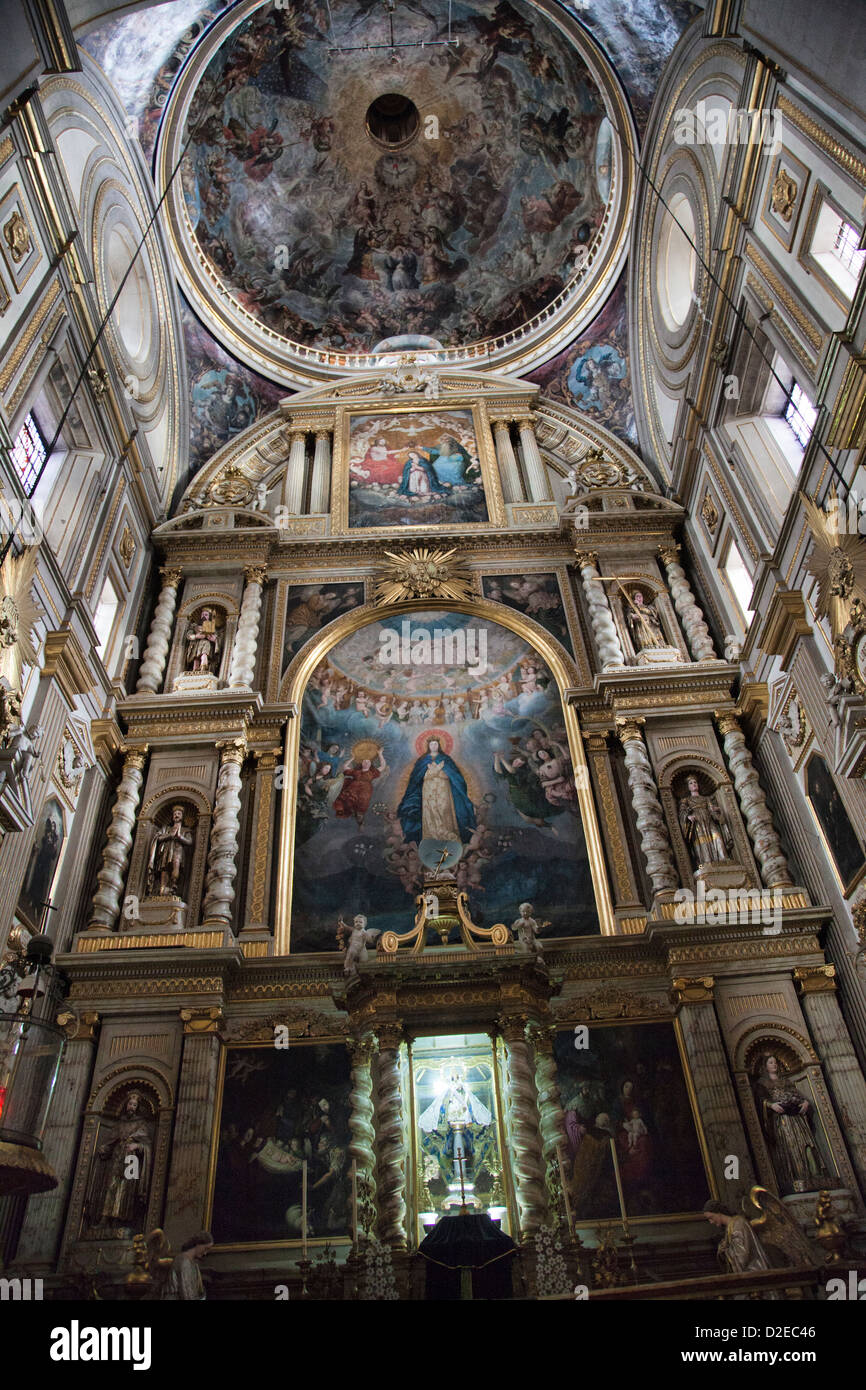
(354, 941)
(527, 929)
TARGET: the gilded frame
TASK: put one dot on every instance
(313, 1242)
(567, 1024)
(561, 666)
(849, 887)
(486, 457)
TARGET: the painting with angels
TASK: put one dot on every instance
(430, 728)
(415, 468)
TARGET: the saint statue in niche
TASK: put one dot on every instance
(784, 1113)
(705, 829)
(453, 1115)
(435, 804)
(204, 643)
(120, 1180)
(169, 853)
(644, 623)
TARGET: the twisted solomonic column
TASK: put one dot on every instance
(654, 839)
(361, 1132)
(759, 822)
(222, 861)
(159, 637)
(696, 630)
(243, 664)
(603, 627)
(115, 858)
(391, 1173)
(550, 1114)
(529, 1167)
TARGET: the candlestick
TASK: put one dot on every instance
(618, 1185)
(304, 1207)
(565, 1196)
(354, 1201)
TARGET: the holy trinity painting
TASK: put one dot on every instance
(415, 469)
(280, 1107)
(425, 730)
(626, 1091)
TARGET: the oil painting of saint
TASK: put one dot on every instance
(439, 729)
(310, 606)
(415, 469)
(625, 1095)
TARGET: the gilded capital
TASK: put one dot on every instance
(727, 722)
(255, 574)
(170, 577)
(266, 758)
(512, 1027)
(669, 554)
(595, 742)
(135, 757)
(232, 750)
(693, 991)
(586, 557)
(816, 979)
(630, 729)
(362, 1049)
(541, 1035)
(202, 1020)
(389, 1036)
(78, 1027)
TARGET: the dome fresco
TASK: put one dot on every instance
(336, 194)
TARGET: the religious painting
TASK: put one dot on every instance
(414, 468)
(625, 1095)
(310, 606)
(839, 834)
(456, 1130)
(538, 596)
(282, 1108)
(416, 732)
(50, 833)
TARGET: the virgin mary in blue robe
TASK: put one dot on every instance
(426, 466)
(411, 808)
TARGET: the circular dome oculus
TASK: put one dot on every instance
(336, 191)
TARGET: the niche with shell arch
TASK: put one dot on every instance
(655, 597)
(793, 1157)
(184, 671)
(714, 782)
(156, 813)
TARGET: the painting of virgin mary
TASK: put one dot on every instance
(436, 804)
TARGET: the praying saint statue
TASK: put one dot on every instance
(169, 849)
(739, 1250)
(705, 829)
(354, 941)
(643, 621)
(121, 1177)
(203, 643)
(527, 929)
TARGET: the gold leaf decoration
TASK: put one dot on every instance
(18, 613)
(422, 573)
(837, 561)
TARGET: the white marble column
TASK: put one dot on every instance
(509, 472)
(654, 839)
(187, 1189)
(222, 861)
(361, 1132)
(600, 615)
(536, 473)
(550, 1113)
(321, 476)
(759, 822)
(391, 1174)
(159, 637)
(115, 858)
(696, 630)
(708, 1064)
(833, 1045)
(296, 473)
(243, 666)
(526, 1151)
(45, 1216)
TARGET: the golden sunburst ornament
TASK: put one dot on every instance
(422, 573)
(18, 613)
(837, 561)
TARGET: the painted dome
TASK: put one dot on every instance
(368, 178)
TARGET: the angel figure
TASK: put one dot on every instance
(527, 929)
(739, 1250)
(354, 941)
